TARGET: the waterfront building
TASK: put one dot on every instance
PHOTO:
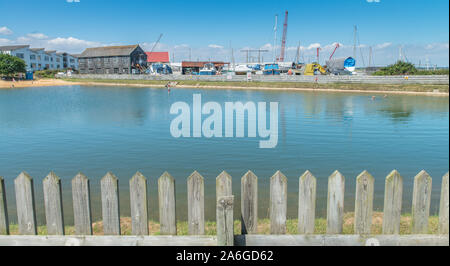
(38, 58)
(127, 59)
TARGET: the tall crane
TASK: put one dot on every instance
(283, 41)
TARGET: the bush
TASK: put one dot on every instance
(399, 68)
(10, 65)
(48, 73)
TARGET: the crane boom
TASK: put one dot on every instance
(283, 41)
(335, 48)
(156, 43)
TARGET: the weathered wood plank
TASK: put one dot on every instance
(249, 203)
(18, 240)
(335, 206)
(196, 204)
(392, 203)
(53, 204)
(223, 185)
(167, 206)
(341, 240)
(82, 205)
(109, 186)
(4, 222)
(364, 203)
(25, 203)
(138, 201)
(278, 203)
(225, 222)
(444, 205)
(307, 203)
(421, 203)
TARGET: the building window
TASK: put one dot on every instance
(39, 58)
(72, 60)
(20, 55)
(51, 59)
(116, 71)
(32, 57)
(46, 58)
(57, 59)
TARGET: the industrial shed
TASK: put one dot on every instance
(127, 59)
(189, 67)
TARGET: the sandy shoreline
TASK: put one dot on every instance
(58, 82)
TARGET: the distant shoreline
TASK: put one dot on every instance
(410, 89)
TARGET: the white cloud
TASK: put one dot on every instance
(215, 46)
(383, 45)
(5, 31)
(39, 36)
(5, 41)
(373, 1)
(313, 46)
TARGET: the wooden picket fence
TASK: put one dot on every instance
(25, 202)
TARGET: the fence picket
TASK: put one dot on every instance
(4, 222)
(278, 203)
(421, 203)
(223, 185)
(249, 203)
(364, 203)
(307, 203)
(335, 206)
(53, 204)
(392, 203)
(81, 205)
(138, 201)
(224, 221)
(26, 212)
(109, 186)
(443, 210)
(196, 211)
(167, 208)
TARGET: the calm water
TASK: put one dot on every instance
(124, 130)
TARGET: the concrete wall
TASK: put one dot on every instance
(282, 78)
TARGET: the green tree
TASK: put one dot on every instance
(399, 68)
(10, 65)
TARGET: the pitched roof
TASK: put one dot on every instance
(36, 49)
(12, 47)
(155, 57)
(109, 51)
(50, 52)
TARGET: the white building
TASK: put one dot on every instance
(39, 59)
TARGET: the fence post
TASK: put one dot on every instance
(81, 205)
(249, 203)
(364, 203)
(53, 204)
(225, 224)
(307, 203)
(335, 206)
(138, 201)
(196, 204)
(392, 203)
(26, 213)
(443, 210)
(109, 186)
(4, 222)
(223, 185)
(167, 211)
(278, 203)
(421, 203)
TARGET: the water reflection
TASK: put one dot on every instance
(124, 130)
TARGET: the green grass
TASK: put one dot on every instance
(287, 85)
(263, 226)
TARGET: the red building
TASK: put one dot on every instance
(157, 57)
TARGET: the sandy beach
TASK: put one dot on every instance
(59, 82)
(34, 83)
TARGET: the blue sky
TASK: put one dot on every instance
(208, 27)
